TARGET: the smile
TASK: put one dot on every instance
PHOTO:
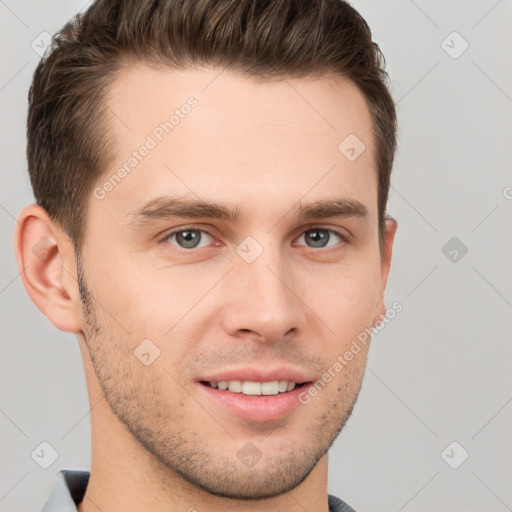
(248, 387)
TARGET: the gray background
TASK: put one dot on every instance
(439, 372)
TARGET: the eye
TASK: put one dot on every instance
(187, 238)
(192, 238)
(320, 237)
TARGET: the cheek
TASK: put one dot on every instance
(134, 297)
(152, 310)
(348, 299)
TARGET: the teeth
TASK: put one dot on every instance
(270, 388)
(251, 388)
(248, 387)
(283, 386)
(235, 386)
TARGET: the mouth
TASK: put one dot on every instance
(253, 395)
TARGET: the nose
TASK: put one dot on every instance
(263, 299)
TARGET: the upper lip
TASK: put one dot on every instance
(257, 375)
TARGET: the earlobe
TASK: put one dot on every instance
(46, 262)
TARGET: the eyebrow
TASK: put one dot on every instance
(166, 207)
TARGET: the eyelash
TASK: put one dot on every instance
(344, 239)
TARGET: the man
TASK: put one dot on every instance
(211, 181)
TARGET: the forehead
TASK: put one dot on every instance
(214, 133)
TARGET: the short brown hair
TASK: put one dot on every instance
(68, 147)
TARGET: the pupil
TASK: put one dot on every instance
(321, 238)
(188, 239)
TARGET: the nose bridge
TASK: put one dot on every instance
(264, 300)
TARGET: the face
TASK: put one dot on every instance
(206, 265)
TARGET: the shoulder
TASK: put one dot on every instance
(337, 505)
(68, 489)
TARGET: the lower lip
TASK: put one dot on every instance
(255, 407)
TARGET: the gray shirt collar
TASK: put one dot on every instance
(67, 492)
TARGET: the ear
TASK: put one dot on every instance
(388, 239)
(46, 261)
